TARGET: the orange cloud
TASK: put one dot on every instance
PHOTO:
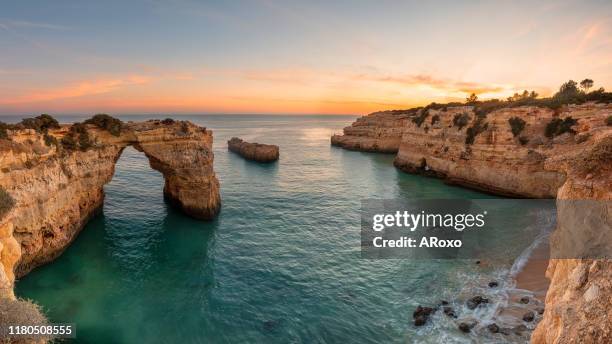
(80, 89)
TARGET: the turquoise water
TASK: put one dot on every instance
(280, 264)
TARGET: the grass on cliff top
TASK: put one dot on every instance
(6, 202)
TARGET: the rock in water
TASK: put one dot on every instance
(476, 301)
(493, 328)
(493, 284)
(528, 317)
(253, 151)
(449, 311)
(421, 314)
(466, 327)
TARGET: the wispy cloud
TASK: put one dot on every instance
(79, 89)
(16, 24)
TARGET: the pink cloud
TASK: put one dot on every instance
(80, 89)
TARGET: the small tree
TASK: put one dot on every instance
(473, 98)
(586, 84)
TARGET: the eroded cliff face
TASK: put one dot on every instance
(56, 190)
(377, 132)
(497, 161)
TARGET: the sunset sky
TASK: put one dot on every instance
(344, 57)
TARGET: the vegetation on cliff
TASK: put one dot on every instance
(106, 122)
(6, 202)
(22, 312)
(558, 126)
(77, 138)
(517, 125)
(40, 123)
(477, 127)
(461, 120)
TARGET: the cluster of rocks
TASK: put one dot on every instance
(422, 314)
(253, 151)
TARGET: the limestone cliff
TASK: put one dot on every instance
(497, 161)
(56, 190)
(377, 132)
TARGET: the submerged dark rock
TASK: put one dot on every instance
(421, 315)
(528, 317)
(270, 325)
(524, 300)
(449, 311)
(493, 284)
(420, 320)
(476, 301)
(493, 328)
(466, 327)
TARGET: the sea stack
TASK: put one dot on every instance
(253, 151)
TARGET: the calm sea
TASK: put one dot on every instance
(281, 263)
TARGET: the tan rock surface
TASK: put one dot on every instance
(253, 151)
(378, 132)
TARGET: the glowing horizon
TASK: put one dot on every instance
(269, 57)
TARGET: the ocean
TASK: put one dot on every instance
(280, 264)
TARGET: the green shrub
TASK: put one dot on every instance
(517, 125)
(77, 138)
(435, 119)
(461, 120)
(609, 121)
(50, 140)
(109, 123)
(478, 127)
(558, 126)
(68, 142)
(40, 123)
(420, 118)
(168, 121)
(6, 202)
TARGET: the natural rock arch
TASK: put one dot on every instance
(56, 191)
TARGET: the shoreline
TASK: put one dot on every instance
(532, 276)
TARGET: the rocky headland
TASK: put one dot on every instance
(52, 180)
(377, 132)
(559, 148)
(253, 151)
